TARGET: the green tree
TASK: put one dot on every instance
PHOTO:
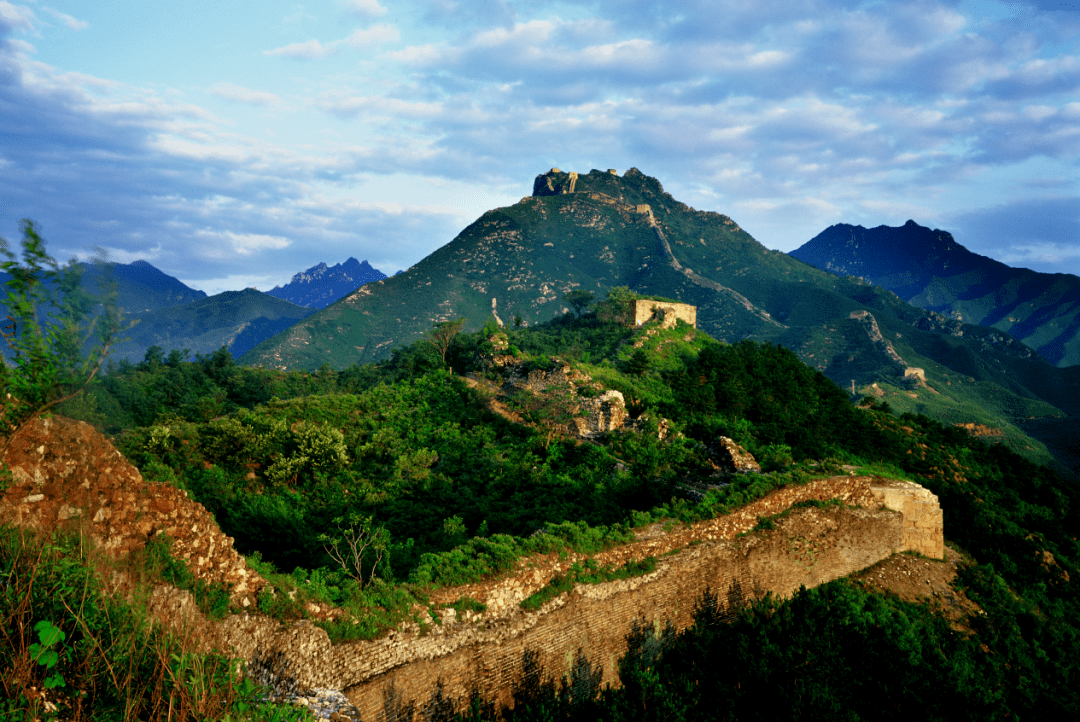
(616, 307)
(46, 330)
(579, 299)
(443, 335)
(358, 543)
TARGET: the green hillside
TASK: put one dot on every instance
(416, 452)
(519, 261)
(236, 320)
(930, 270)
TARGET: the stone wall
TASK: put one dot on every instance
(644, 310)
(484, 650)
(66, 473)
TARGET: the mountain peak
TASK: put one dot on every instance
(321, 285)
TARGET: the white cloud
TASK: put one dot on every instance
(308, 50)
(367, 8)
(70, 22)
(228, 91)
(243, 244)
(1042, 254)
(375, 35)
(16, 16)
(360, 39)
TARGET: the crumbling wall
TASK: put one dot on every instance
(64, 472)
(644, 310)
(484, 651)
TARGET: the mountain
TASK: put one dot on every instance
(142, 287)
(176, 317)
(928, 269)
(319, 286)
(236, 319)
(598, 231)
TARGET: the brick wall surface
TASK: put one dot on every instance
(485, 650)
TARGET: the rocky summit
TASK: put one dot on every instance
(599, 230)
(322, 285)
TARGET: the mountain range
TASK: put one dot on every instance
(173, 316)
(929, 269)
(600, 230)
(321, 285)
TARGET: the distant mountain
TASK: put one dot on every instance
(176, 317)
(928, 269)
(238, 320)
(319, 286)
(142, 287)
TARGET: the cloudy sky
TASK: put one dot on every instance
(232, 144)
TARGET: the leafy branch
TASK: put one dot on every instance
(46, 330)
(358, 540)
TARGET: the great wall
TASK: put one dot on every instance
(64, 472)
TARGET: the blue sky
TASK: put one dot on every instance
(234, 144)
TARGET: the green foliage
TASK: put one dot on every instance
(775, 457)
(587, 573)
(467, 604)
(354, 550)
(443, 335)
(465, 494)
(46, 331)
(42, 651)
(616, 306)
(68, 651)
(579, 299)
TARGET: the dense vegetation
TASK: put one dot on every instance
(414, 459)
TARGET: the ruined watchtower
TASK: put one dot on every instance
(668, 313)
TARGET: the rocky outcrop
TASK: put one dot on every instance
(321, 285)
(981, 430)
(600, 415)
(65, 473)
(730, 458)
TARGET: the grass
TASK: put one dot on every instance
(70, 651)
(587, 573)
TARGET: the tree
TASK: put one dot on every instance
(360, 538)
(443, 335)
(639, 362)
(616, 307)
(46, 330)
(579, 299)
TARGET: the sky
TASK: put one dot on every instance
(233, 144)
